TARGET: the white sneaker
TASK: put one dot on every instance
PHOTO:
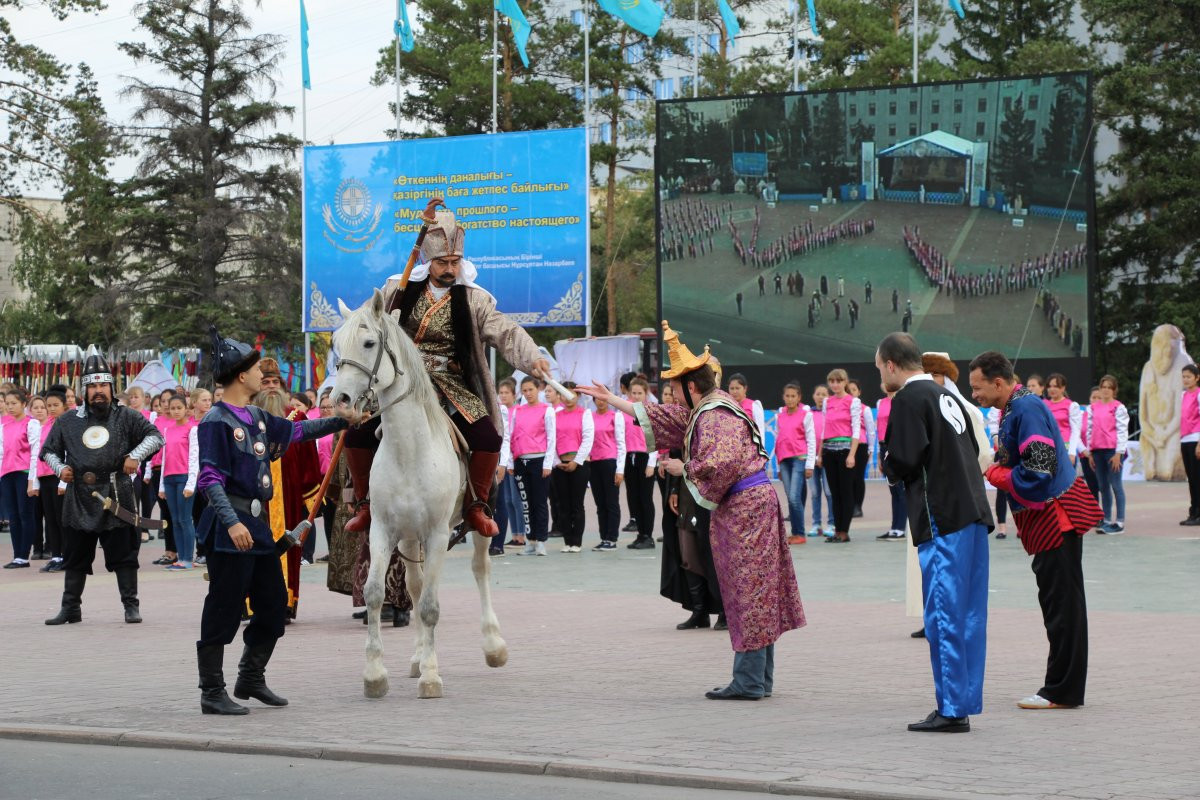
(541, 549)
(531, 547)
(566, 548)
(1038, 702)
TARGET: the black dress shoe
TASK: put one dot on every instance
(1190, 521)
(641, 544)
(725, 693)
(936, 723)
(918, 634)
(360, 614)
(721, 624)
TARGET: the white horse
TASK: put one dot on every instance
(417, 486)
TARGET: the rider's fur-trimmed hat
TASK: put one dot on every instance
(939, 364)
(445, 237)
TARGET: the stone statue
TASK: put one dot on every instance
(1159, 399)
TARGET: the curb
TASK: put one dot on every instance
(366, 754)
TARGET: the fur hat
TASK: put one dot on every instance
(445, 237)
(939, 364)
(270, 368)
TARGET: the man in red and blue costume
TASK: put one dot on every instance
(1052, 509)
(238, 441)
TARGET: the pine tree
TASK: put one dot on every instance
(1149, 267)
(215, 239)
(1015, 37)
(829, 139)
(1013, 162)
(869, 43)
(33, 91)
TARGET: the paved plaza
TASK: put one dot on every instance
(599, 684)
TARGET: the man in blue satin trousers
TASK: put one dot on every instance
(932, 448)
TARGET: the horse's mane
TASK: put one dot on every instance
(408, 357)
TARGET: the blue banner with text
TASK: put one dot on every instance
(522, 197)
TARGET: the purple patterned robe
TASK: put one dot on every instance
(749, 545)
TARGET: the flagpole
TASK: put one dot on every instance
(916, 32)
(796, 45)
(495, 62)
(587, 76)
(696, 51)
(303, 222)
(399, 17)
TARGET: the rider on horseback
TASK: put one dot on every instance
(450, 319)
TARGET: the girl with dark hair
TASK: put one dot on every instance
(1189, 440)
(839, 440)
(1107, 439)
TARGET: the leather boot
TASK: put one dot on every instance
(213, 699)
(127, 586)
(697, 589)
(359, 461)
(251, 680)
(476, 515)
(72, 598)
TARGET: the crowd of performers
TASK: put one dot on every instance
(687, 228)
(801, 240)
(1029, 274)
(1068, 330)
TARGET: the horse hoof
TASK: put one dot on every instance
(375, 688)
(429, 690)
(414, 669)
(498, 658)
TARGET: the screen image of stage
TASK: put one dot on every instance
(801, 228)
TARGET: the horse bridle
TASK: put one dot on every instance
(368, 399)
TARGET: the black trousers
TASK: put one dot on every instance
(841, 487)
(1059, 574)
(50, 505)
(602, 475)
(232, 577)
(570, 488)
(669, 518)
(535, 488)
(1191, 467)
(639, 492)
(1001, 507)
(120, 547)
(862, 459)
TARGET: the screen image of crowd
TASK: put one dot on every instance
(901, 237)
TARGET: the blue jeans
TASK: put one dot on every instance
(181, 515)
(820, 487)
(899, 506)
(754, 672)
(14, 488)
(510, 511)
(795, 486)
(1110, 483)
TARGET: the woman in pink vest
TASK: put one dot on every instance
(530, 439)
(573, 435)
(1189, 440)
(796, 454)
(161, 419)
(819, 488)
(510, 511)
(883, 410)
(738, 388)
(1107, 439)
(608, 451)
(135, 398)
(1066, 412)
(843, 423)
(177, 482)
(862, 453)
(37, 410)
(50, 490)
(18, 474)
(639, 472)
(202, 400)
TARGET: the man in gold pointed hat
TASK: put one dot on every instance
(723, 469)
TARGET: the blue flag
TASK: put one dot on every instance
(812, 18)
(644, 16)
(403, 27)
(732, 28)
(520, 26)
(956, 7)
(304, 75)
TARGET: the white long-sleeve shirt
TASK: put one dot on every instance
(33, 431)
(193, 472)
(551, 455)
(587, 429)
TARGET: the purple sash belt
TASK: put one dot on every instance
(757, 479)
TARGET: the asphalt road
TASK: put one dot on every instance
(46, 771)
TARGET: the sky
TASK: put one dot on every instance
(344, 41)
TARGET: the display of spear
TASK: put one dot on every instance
(305, 527)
